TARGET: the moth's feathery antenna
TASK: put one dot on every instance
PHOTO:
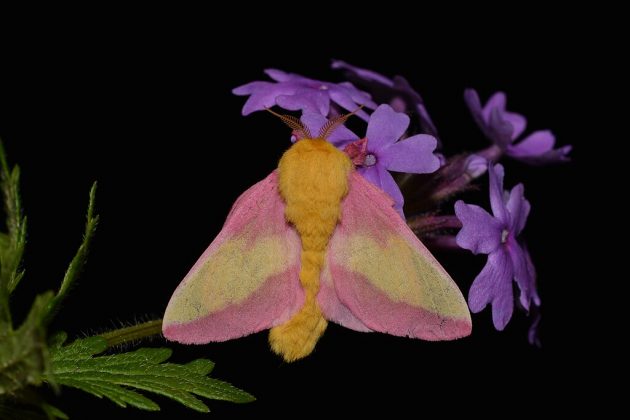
(328, 128)
(294, 123)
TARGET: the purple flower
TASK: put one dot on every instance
(503, 128)
(397, 92)
(380, 151)
(497, 235)
(294, 92)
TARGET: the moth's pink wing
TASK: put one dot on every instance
(248, 278)
(332, 308)
(385, 277)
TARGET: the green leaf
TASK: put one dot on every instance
(23, 353)
(13, 242)
(119, 377)
(80, 258)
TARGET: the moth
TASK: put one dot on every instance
(311, 243)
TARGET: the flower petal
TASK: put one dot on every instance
(490, 118)
(379, 176)
(496, 101)
(553, 156)
(518, 208)
(357, 95)
(340, 137)
(499, 130)
(518, 122)
(251, 87)
(364, 74)
(496, 173)
(480, 232)
(412, 155)
(521, 273)
(532, 275)
(537, 149)
(306, 100)
(385, 127)
(535, 144)
(494, 285)
(314, 121)
(280, 76)
(342, 98)
(471, 97)
(263, 94)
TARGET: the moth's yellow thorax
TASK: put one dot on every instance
(313, 178)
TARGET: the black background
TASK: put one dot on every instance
(145, 108)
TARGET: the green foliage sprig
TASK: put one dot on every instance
(31, 357)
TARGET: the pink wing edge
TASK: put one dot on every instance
(349, 299)
(279, 297)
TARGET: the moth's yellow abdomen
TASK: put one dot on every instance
(313, 178)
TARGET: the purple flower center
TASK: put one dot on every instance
(370, 160)
(504, 235)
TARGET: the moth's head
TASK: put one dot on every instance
(301, 131)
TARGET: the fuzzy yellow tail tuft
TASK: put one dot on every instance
(313, 178)
(297, 338)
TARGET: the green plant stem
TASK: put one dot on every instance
(133, 333)
(78, 262)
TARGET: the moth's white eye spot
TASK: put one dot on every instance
(293, 138)
(370, 160)
(323, 87)
(504, 235)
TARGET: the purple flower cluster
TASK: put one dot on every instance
(294, 92)
(503, 128)
(498, 235)
(387, 145)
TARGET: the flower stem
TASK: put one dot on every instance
(492, 153)
(444, 243)
(422, 225)
(133, 333)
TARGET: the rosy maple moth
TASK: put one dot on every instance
(311, 243)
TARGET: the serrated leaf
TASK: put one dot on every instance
(23, 352)
(13, 242)
(12, 251)
(200, 366)
(119, 376)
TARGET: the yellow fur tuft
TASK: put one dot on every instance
(313, 178)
